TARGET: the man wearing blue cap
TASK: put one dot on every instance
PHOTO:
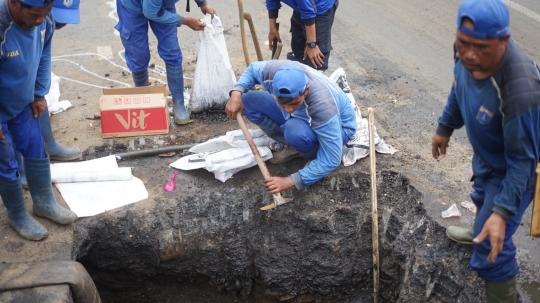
(64, 12)
(134, 17)
(26, 29)
(311, 30)
(302, 109)
(496, 96)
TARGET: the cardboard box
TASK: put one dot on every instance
(134, 111)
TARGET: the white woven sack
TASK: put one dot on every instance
(214, 76)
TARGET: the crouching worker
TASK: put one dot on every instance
(26, 29)
(302, 109)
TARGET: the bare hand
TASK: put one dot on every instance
(1, 135)
(439, 145)
(194, 23)
(314, 55)
(38, 107)
(207, 9)
(273, 34)
(495, 229)
(275, 185)
(234, 105)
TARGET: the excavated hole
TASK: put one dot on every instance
(209, 242)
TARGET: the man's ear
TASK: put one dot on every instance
(504, 40)
(306, 90)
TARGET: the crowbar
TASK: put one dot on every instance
(278, 199)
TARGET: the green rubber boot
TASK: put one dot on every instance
(463, 235)
(501, 292)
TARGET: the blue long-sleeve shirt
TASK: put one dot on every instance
(327, 111)
(502, 118)
(308, 9)
(155, 10)
(25, 63)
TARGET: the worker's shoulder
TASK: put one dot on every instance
(518, 81)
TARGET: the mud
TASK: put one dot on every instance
(211, 243)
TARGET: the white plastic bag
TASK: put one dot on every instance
(214, 76)
(53, 97)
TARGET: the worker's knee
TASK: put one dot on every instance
(300, 135)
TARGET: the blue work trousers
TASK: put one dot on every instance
(262, 109)
(505, 266)
(133, 30)
(22, 133)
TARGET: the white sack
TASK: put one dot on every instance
(214, 76)
(358, 146)
(225, 163)
(231, 139)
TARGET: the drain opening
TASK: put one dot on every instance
(213, 244)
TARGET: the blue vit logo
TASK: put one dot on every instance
(68, 3)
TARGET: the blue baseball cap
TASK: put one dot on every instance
(66, 11)
(37, 2)
(289, 82)
(491, 18)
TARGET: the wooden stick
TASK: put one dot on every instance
(278, 199)
(535, 221)
(374, 213)
(243, 32)
(278, 51)
(247, 16)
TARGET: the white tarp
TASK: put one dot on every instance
(91, 198)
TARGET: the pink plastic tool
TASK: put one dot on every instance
(170, 186)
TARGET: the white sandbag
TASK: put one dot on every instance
(358, 146)
(232, 139)
(214, 76)
(224, 164)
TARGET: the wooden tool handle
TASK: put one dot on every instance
(254, 149)
(247, 16)
(243, 32)
(374, 213)
(535, 221)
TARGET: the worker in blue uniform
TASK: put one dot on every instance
(311, 30)
(134, 18)
(64, 12)
(26, 29)
(302, 109)
(496, 96)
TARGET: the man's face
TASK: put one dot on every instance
(295, 103)
(29, 17)
(479, 55)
